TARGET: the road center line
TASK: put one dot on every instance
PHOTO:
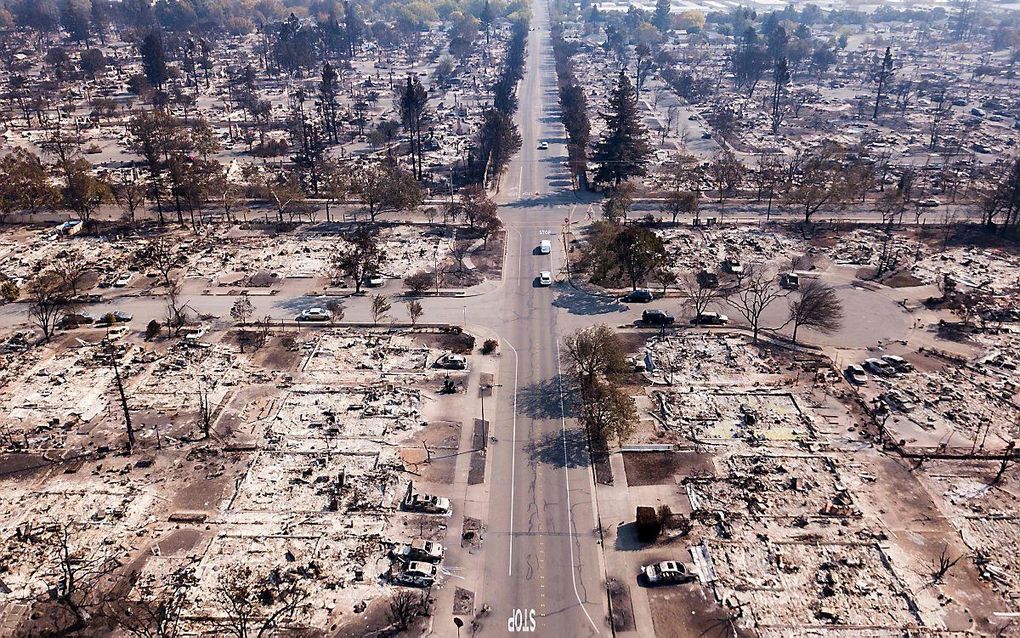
(566, 480)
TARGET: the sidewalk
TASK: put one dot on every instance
(616, 509)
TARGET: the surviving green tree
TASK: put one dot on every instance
(623, 151)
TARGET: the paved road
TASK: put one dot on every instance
(542, 557)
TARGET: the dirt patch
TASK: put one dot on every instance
(623, 610)
(471, 534)
(179, 542)
(685, 611)
(456, 342)
(664, 468)
(204, 494)
(280, 353)
(902, 279)
(22, 466)
(437, 464)
(463, 602)
(369, 622)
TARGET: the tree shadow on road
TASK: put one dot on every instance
(577, 302)
(542, 400)
(559, 449)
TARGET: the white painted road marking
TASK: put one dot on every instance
(566, 478)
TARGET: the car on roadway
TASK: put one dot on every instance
(117, 316)
(655, 317)
(545, 247)
(542, 146)
(418, 574)
(420, 550)
(899, 363)
(545, 278)
(879, 367)
(75, 319)
(667, 572)
(451, 361)
(374, 281)
(314, 314)
(929, 202)
(427, 503)
(710, 319)
(638, 296)
(855, 374)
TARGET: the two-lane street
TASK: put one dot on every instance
(542, 568)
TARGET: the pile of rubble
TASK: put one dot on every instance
(708, 358)
(732, 415)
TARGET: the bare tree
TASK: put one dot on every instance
(257, 605)
(71, 267)
(380, 308)
(76, 574)
(155, 609)
(822, 184)
(336, 311)
(176, 308)
(48, 302)
(242, 310)
(164, 257)
(594, 351)
(414, 311)
(112, 354)
(1004, 464)
(698, 296)
(818, 307)
(130, 195)
(942, 565)
(459, 249)
(405, 607)
(607, 410)
(755, 294)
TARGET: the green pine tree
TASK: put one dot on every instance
(623, 151)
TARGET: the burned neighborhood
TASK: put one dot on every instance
(418, 318)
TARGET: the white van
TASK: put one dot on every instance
(545, 247)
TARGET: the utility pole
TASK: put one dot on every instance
(123, 399)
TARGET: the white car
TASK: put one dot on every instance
(856, 375)
(427, 503)
(930, 202)
(418, 574)
(879, 367)
(667, 572)
(900, 364)
(123, 280)
(451, 362)
(543, 146)
(374, 281)
(313, 314)
(545, 278)
(545, 247)
(420, 550)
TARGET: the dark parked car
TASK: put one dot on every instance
(638, 296)
(657, 318)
